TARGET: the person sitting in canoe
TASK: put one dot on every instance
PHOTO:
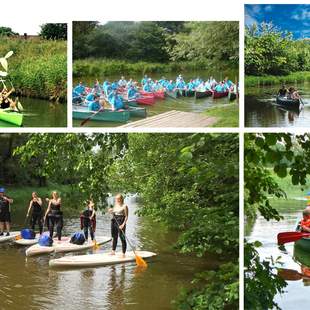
(132, 93)
(212, 81)
(54, 215)
(130, 83)
(80, 89)
(190, 86)
(122, 82)
(118, 223)
(144, 80)
(88, 220)
(219, 88)
(207, 86)
(35, 206)
(114, 85)
(180, 84)
(228, 83)
(295, 95)
(170, 86)
(147, 86)
(282, 91)
(116, 101)
(95, 104)
(305, 222)
(5, 101)
(5, 212)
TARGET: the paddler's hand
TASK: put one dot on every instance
(121, 226)
(110, 210)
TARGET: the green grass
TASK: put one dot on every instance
(258, 81)
(38, 68)
(226, 115)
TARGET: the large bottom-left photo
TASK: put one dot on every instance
(119, 221)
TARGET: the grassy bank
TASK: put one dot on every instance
(38, 68)
(296, 77)
(100, 67)
(227, 115)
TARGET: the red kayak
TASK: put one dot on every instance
(219, 95)
(156, 94)
(147, 94)
(146, 100)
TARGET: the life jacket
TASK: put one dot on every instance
(305, 223)
(77, 238)
(28, 234)
(45, 240)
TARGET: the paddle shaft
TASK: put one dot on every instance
(87, 119)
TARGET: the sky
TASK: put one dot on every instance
(24, 26)
(294, 18)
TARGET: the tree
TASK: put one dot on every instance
(7, 31)
(54, 31)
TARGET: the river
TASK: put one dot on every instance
(41, 113)
(186, 104)
(261, 109)
(296, 294)
(28, 283)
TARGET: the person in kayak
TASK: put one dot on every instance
(144, 80)
(88, 220)
(116, 101)
(282, 91)
(5, 212)
(54, 215)
(5, 101)
(132, 93)
(36, 206)
(95, 104)
(118, 223)
(305, 222)
(80, 89)
(147, 86)
(122, 82)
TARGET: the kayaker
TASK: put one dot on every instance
(147, 86)
(36, 206)
(54, 215)
(88, 220)
(305, 222)
(144, 80)
(5, 212)
(170, 85)
(118, 223)
(228, 83)
(116, 101)
(282, 91)
(295, 94)
(80, 88)
(95, 104)
(132, 93)
(212, 81)
(180, 84)
(5, 101)
(122, 82)
(219, 88)
(114, 85)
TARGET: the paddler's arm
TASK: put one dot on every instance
(29, 208)
(125, 220)
(305, 229)
(48, 209)
(9, 200)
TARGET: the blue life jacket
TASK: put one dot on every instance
(94, 106)
(219, 88)
(117, 102)
(147, 88)
(90, 97)
(79, 89)
(131, 93)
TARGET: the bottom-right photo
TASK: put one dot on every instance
(277, 220)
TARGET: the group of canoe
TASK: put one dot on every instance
(47, 243)
(121, 99)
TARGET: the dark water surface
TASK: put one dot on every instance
(261, 109)
(186, 104)
(28, 283)
(42, 113)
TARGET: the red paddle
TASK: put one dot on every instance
(291, 236)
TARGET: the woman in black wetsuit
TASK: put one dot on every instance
(5, 212)
(37, 212)
(54, 215)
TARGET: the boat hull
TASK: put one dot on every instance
(217, 95)
(203, 94)
(11, 117)
(292, 104)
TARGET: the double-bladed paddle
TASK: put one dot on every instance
(291, 236)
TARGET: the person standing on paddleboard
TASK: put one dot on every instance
(5, 212)
(88, 220)
(118, 223)
(37, 212)
(54, 215)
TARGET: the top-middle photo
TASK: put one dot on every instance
(155, 74)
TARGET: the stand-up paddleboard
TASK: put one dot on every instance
(27, 242)
(64, 246)
(12, 236)
(93, 260)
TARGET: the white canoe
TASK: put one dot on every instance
(64, 246)
(102, 259)
(27, 242)
(12, 236)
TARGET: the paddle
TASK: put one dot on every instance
(139, 260)
(291, 236)
(291, 274)
(90, 117)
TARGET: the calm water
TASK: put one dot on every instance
(186, 104)
(42, 113)
(261, 109)
(28, 283)
(296, 292)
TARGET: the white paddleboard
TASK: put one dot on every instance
(102, 259)
(26, 242)
(64, 246)
(12, 236)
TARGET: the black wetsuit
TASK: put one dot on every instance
(55, 218)
(37, 216)
(115, 231)
(5, 214)
(88, 224)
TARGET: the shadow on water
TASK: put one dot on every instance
(29, 281)
(261, 109)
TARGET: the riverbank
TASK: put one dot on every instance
(38, 67)
(105, 67)
(227, 115)
(267, 80)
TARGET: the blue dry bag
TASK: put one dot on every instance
(77, 238)
(45, 240)
(27, 234)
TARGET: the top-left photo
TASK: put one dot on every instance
(33, 75)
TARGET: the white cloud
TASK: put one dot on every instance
(250, 20)
(301, 14)
(268, 8)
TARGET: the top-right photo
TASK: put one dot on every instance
(277, 65)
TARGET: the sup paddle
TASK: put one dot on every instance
(139, 260)
(291, 236)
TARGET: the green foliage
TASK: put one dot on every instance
(7, 31)
(38, 67)
(226, 115)
(190, 183)
(55, 31)
(269, 51)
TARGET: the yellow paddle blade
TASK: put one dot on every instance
(18, 237)
(96, 245)
(140, 261)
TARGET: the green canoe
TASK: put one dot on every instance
(302, 251)
(137, 111)
(11, 117)
(121, 116)
(303, 244)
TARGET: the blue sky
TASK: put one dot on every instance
(294, 18)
